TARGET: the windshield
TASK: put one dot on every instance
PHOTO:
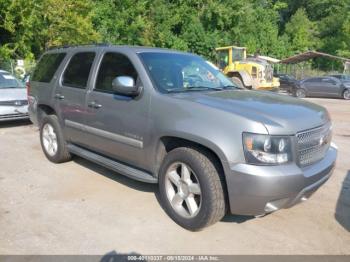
(9, 81)
(173, 72)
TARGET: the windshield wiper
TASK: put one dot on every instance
(193, 88)
(232, 86)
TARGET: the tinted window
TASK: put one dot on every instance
(222, 59)
(313, 80)
(113, 65)
(282, 77)
(78, 70)
(174, 72)
(47, 67)
(328, 80)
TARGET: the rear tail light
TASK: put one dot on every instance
(28, 88)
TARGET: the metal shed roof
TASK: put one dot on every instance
(309, 55)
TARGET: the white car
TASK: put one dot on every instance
(13, 98)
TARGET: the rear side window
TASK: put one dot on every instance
(112, 66)
(47, 67)
(313, 80)
(78, 70)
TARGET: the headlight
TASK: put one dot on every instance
(266, 149)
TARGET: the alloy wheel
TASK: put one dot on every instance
(49, 139)
(183, 190)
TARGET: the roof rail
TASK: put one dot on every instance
(77, 45)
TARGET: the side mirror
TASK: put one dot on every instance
(125, 85)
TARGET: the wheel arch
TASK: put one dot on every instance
(43, 110)
(167, 143)
(344, 90)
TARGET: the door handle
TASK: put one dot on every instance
(59, 96)
(93, 104)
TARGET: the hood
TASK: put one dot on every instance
(10, 94)
(280, 114)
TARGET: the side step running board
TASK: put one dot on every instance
(112, 164)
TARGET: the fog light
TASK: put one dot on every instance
(275, 205)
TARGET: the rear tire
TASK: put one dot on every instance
(52, 140)
(346, 94)
(191, 188)
(300, 92)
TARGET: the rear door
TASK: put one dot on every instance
(313, 86)
(117, 125)
(330, 87)
(70, 95)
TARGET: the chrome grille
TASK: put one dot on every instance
(313, 144)
(14, 103)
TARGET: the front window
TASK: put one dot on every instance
(172, 72)
(222, 56)
(237, 54)
(112, 66)
(9, 81)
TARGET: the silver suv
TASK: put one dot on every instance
(167, 117)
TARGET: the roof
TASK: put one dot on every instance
(137, 49)
(310, 55)
(229, 47)
(269, 59)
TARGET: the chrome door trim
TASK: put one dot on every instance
(105, 134)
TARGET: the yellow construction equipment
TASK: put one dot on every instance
(250, 73)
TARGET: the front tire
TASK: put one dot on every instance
(52, 140)
(192, 188)
(238, 81)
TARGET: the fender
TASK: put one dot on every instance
(190, 137)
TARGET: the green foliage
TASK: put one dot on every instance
(271, 27)
(28, 27)
(302, 33)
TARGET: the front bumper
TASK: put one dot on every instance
(257, 190)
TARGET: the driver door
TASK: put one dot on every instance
(117, 125)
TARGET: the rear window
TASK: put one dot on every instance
(9, 81)
(47, 67)
(78, 70)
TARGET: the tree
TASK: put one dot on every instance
(28, 27)
(302, 33)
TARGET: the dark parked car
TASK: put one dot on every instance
(167, 117)
(287, 82)
(326, 86)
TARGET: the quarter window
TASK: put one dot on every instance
(78, 70)
(112, 66)
(47, 67)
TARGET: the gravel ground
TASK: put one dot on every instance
(81, 208)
